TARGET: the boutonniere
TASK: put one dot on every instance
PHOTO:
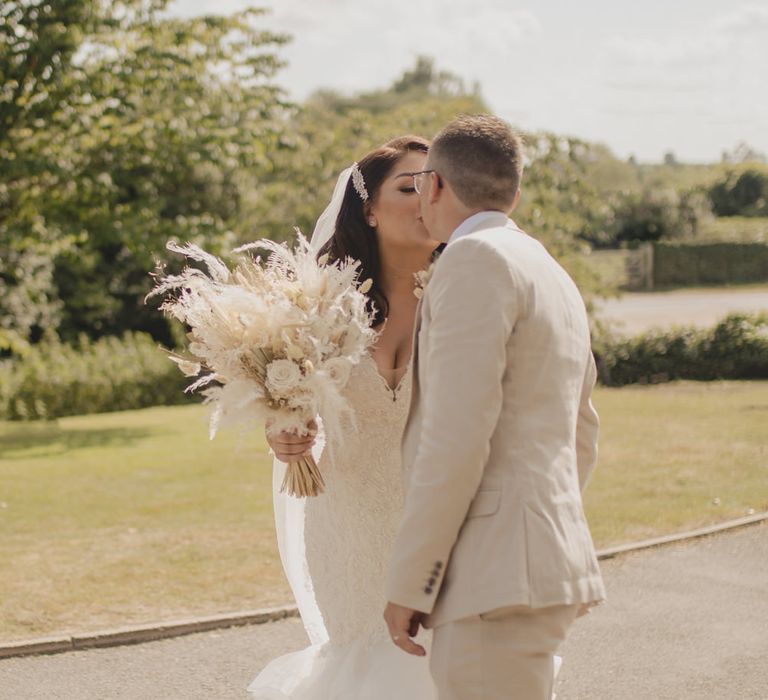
(422, 277)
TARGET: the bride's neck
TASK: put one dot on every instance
(399, 265)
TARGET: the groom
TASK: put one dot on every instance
(493, 551)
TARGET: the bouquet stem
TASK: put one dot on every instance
(303, 478)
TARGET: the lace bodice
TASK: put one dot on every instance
(350, 529)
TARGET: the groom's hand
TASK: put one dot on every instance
(403, 623)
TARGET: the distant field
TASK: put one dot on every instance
(610, 266)
(136, 517)
(735, 229)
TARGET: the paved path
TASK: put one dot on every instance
(636, 312)
(684, 622)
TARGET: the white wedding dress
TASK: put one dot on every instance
(335, 549)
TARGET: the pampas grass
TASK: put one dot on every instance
(271, 343)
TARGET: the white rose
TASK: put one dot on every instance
(338, 370)
(283, 376)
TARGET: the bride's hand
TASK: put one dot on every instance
(290, 447)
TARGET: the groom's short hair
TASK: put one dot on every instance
(481, 157)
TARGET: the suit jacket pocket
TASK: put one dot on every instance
(485, 502)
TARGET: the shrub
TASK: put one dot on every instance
(53, 379)
(736, 348)
(681, 264)
(741, 194)
(652, 215)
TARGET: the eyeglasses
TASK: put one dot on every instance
(417, 179)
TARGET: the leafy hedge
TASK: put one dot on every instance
(736, 348)
(114, 374)
(680, 264)
(111, 374)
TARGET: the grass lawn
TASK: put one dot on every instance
(734, 229)
(136, 517)
(676, 457)
(610, 266)
(132, 517)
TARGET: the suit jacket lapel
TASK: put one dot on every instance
(415, 362)
(415, 386)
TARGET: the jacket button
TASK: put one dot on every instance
(428, 590)
(432, 581)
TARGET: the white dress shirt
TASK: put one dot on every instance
(474, 222)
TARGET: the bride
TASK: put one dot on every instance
(335, 547)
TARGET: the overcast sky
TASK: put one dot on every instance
(688, 76)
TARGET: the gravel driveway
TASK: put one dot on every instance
(636, 312)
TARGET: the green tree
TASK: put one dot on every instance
(38, 41)
(146, 141)
(645, 216)
(329, 132)
(744, 153)
(653, 215)
(560, 206)
(416, 84)
(741, 193)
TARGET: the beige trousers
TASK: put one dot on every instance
(502, 654)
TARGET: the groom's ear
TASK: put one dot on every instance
(435, 187)
(515, 201)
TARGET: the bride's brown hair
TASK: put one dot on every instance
(353, 237)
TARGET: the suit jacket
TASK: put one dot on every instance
(501, 436)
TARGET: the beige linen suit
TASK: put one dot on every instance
(500, 440)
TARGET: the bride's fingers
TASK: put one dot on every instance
(289, 455)
(291, 447)
(295, 440)
(297, 449)
(291, 439)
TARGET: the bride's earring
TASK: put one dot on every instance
(372, 223)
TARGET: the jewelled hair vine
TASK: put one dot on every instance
(358, 182)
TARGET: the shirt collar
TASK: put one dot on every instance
(475, 221)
